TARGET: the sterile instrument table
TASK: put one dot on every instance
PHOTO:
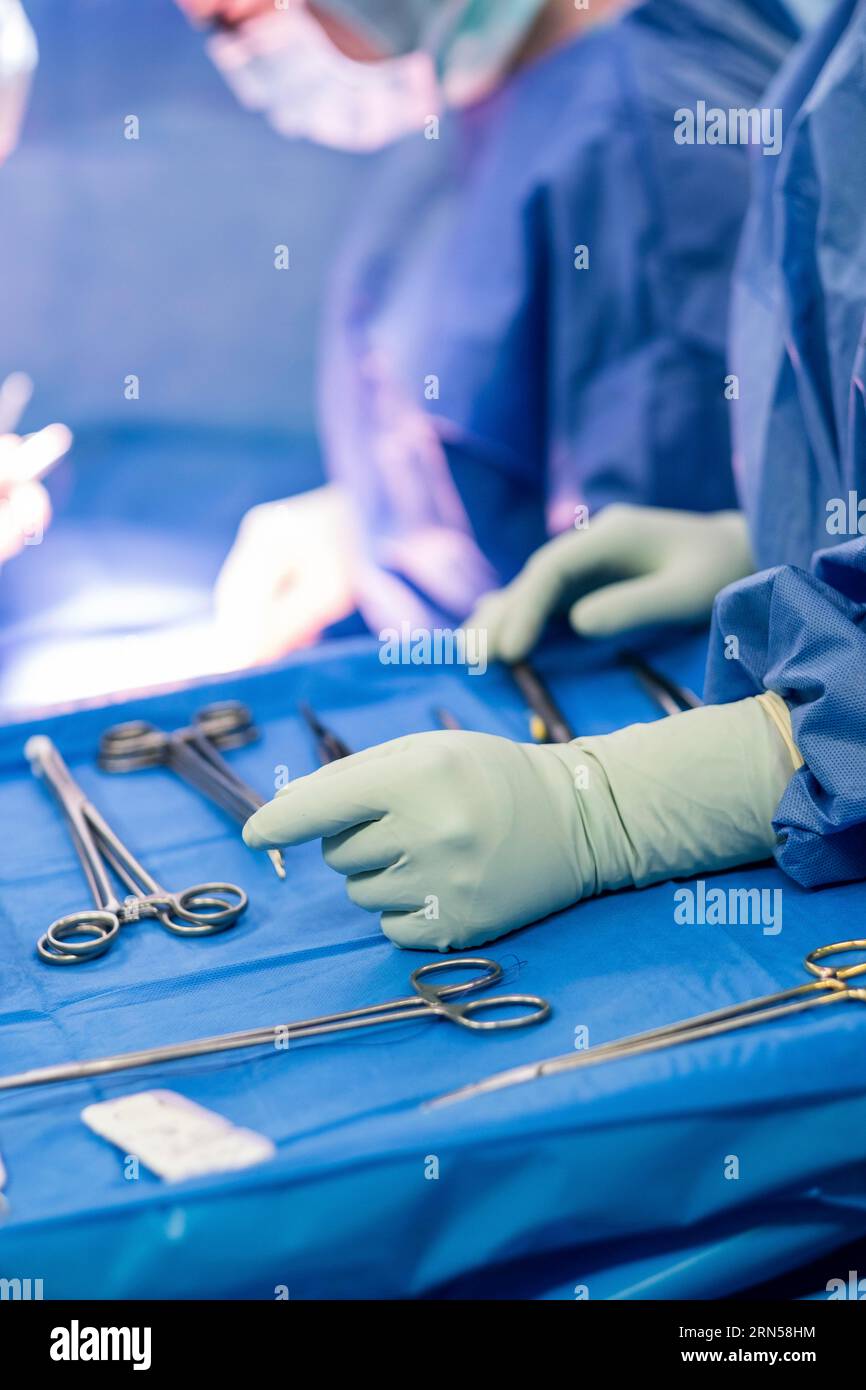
(694, 1172)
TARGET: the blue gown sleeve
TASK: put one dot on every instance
(637, 340)
(802, 634)
(799, 348)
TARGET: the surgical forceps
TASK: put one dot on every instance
(668, 695)
(548, 723)
(329, 746)
(193, 753)
(200, 910)
(828, 987)
(428, 1000)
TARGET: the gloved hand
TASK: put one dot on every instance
(631, 566)
(458, 837)
(288, 575)
(25, 508)
(25, 512)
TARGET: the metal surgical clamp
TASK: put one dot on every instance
(829, 987)
(548, 724)
(427, 1000)
(193, 753)
(668, 695)
(329, 746)
(200, 910)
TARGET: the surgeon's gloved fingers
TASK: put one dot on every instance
(510, 620)
(571, 562)
(412, 931)
(318, 805)
(535, 595)
(428, 928)
(418, 930)
(382, 890)
(348, 792)
(486, 618)
(362, 848)
(338, 767)
(628, 603)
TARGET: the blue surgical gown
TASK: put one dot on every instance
(799, 350)
(476, 386)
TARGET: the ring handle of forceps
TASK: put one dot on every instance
(58, 947)
(226, 724)
(832, 972)
(436, 998)
(138, 744)
(98, 927)
(183, 914)
(132, 745)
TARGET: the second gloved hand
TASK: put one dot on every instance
(458, 837)
(630, 567)
(288, 576)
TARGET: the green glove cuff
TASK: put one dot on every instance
(691, 793)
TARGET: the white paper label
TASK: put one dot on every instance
(174, 1137)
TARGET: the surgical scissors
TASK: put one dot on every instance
(428, 1000)
(200, 910)
(193, 753)
(828, 987)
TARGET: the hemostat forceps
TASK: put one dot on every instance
(329, 746)
(828, 987)
(200, 910)
(427, 1000)
(667, 694)
(548, 723)
(193, 753)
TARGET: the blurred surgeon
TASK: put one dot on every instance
(528, 321)
(792, 390)
(24, 506)
(454, 838)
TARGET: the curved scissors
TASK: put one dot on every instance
(200, 910)
(426, 1001)
(829, 986)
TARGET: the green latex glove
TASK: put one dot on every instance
(631, 566)
(458, 837)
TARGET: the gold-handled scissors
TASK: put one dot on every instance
(829, 986)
